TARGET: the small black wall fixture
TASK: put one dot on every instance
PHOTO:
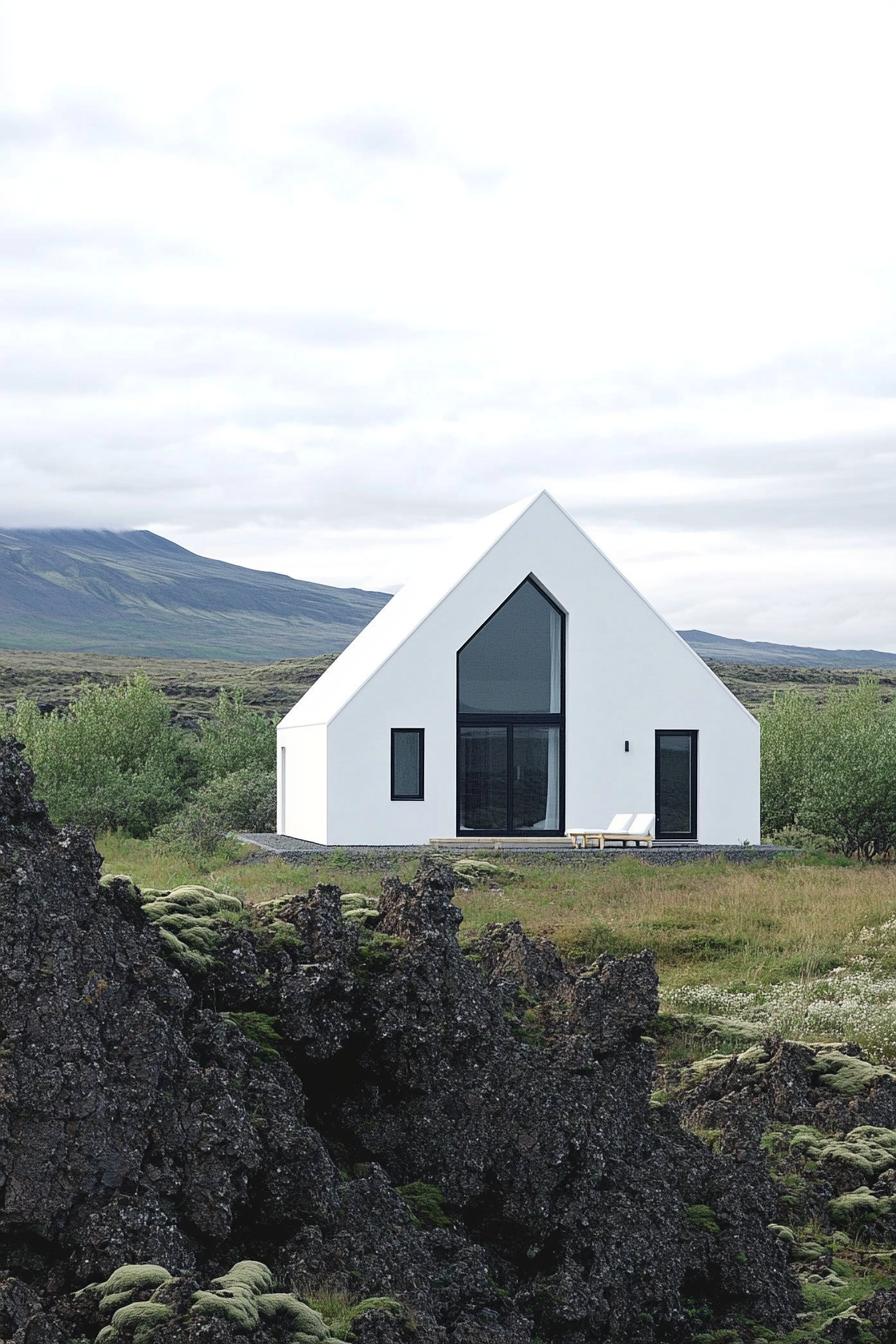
(626, 744)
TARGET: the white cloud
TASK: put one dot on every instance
(299, 285)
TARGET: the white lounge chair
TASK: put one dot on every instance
(586, 834)
(625, 827)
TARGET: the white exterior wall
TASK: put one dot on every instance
(627, 674)
(302, 782)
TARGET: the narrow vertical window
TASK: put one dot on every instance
(407, 765)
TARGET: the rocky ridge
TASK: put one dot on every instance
(410, 1138)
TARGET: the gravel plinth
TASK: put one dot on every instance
(661, 855)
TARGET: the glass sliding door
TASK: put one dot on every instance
(536, 778)
(509, 778)
(676, 785)
(482, 768)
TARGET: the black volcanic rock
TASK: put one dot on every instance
(467, 1131)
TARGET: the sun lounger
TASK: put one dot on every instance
(624, 827)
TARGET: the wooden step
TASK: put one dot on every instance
(500, 841)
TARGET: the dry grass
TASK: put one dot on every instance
(709, 921)
(234, 869)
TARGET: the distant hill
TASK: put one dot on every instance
(140, 595)
(137, 593)
(720, 649)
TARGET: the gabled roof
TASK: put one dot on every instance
(442, 569)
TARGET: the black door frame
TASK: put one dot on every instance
(691, 733)
(509, 722)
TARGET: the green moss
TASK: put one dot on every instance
(847, 1074)
(710, 1137)
(189, 922)
(183, 957)
(141, 1320)
(426, 1203)
(375, 952)
(127, 1279)
(703, 1217)
(278, 935)
(250, 1274)
(360, 909)
(237, 1305)
(260, 1028)
(480, 872)
(702, 1068)
(860, 1207)
(244, 1297)
(300, 1315)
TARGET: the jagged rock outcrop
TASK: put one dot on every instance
(468, 1131)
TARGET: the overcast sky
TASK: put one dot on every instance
(302, 285)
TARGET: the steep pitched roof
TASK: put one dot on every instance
(442, 569)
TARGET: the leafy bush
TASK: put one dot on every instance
(111, 761)
(831, 769)
(244, 800)
(236, 738)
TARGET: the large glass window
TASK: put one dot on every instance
(512, 665)
(676, 785)
(510, 719)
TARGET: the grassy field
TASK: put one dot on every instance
(52, 679)
(805, 948)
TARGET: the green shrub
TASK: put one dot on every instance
(244, 800)
(236, 738)
(830, 769)
(111, 761)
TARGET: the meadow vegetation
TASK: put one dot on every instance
(804, 945)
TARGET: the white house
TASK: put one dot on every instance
(517, 685)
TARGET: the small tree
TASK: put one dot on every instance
(850, 791)
(789, 727)
(831, 768)
(235, 738)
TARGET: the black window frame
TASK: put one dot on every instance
(487, 719)
(407, 797)
(693, 734)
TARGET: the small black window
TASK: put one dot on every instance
(407, 764)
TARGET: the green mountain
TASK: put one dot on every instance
(720, 649)
(138, 593)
